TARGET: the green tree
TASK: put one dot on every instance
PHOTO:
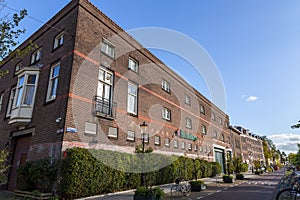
(3, 165)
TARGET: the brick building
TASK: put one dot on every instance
(90, 84)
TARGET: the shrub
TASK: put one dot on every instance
(3, 165)
(228, 179)
(245, 167)
(196, 185)
(145, 193)
(216, 169)
(36, 175)
(240, 176)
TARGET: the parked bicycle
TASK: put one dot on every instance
(182, 188)
(292, 193)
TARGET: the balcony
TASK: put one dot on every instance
(104, 107)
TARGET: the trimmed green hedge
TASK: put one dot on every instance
(83, 172)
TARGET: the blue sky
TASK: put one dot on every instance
(254, 44)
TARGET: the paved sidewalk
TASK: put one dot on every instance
(4, 194)
(128, 195)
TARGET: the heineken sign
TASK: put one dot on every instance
(186, 135)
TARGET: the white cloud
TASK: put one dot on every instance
(252, 98)
(286, 142)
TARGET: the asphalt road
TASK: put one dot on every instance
(257, 188)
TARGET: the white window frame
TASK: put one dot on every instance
(204, 130)
(18, 66)
(146, 138)
(201, 149)
(165, 85)
(167, 142)
(12, 97)
(133, 65)
(166, 114)
(36, 56)
(220, 121)
(213, 116)
(195, 147)
(1, 100)
(188, 123)
(53, 83)
(113, 132)
(156, 140)
(176, 144)
(190, 146)
(187, 100)
(222, 137)
(182, 145)
(130, 135)
(202, 109)
(108, 48)
(215, 134)
(22, 89)
(58, 40)
(132, 97)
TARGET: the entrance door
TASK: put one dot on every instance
(20, 156)
(219, 157)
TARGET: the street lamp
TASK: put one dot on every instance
(143, 126)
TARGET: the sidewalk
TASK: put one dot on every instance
(4, 194)
(128, 195)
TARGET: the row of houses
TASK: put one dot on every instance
(90, 84)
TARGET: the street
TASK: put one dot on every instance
(257, 188)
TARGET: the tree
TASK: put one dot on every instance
(296, 125)
(3, 165)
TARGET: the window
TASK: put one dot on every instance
(58, 41)
(18, 67)
(166, 114)
(36, 56)
(133, 65)
(165, 85)
(11, 101)
(222, 137)
(228, 138)
(132, 98)
(113, 132)
(1, 100)
(108, 48)
(205, 149)
(190, 147)
(195, 147)
(90, 128)
(200, 148)
(215, 134)
(183, 145)
(187, 100)
(167, 142)
(220, 121)
(188, 123)
(175, 143)
(156, 140)
(204, 132)
(202, 109)
(104, 92)
(26, 89)
(213, 116)
(130, 135)
(53, 82)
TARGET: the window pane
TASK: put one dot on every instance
(31, 79)
(29, 95)
(56, 71)
(19, 97)
(54, 88)
(21, 81)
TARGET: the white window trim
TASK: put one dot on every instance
(11, 101)
(129, 137)
(156, 140)
(188, 123)
(166, 114)
(57, 41)
(187, 99)
(204, 130)
(176, 144)
(36, 56)
(113, 135)
(1, 100)
(182, 145)
(195, 147)
(134, 112)
(51, 81)
(111, 45)
(202, 109)
(190, 146)
(18, 66)
(165, 85)
(136, 65)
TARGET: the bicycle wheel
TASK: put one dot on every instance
(175, 191)
(288, 194)
(188, 190)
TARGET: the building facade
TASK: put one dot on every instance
(90, 84)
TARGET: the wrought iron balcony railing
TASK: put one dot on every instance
(104, 107)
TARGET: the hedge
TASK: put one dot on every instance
(86, 172)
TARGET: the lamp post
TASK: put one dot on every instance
(143, 126)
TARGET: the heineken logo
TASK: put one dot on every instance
(186, 135)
